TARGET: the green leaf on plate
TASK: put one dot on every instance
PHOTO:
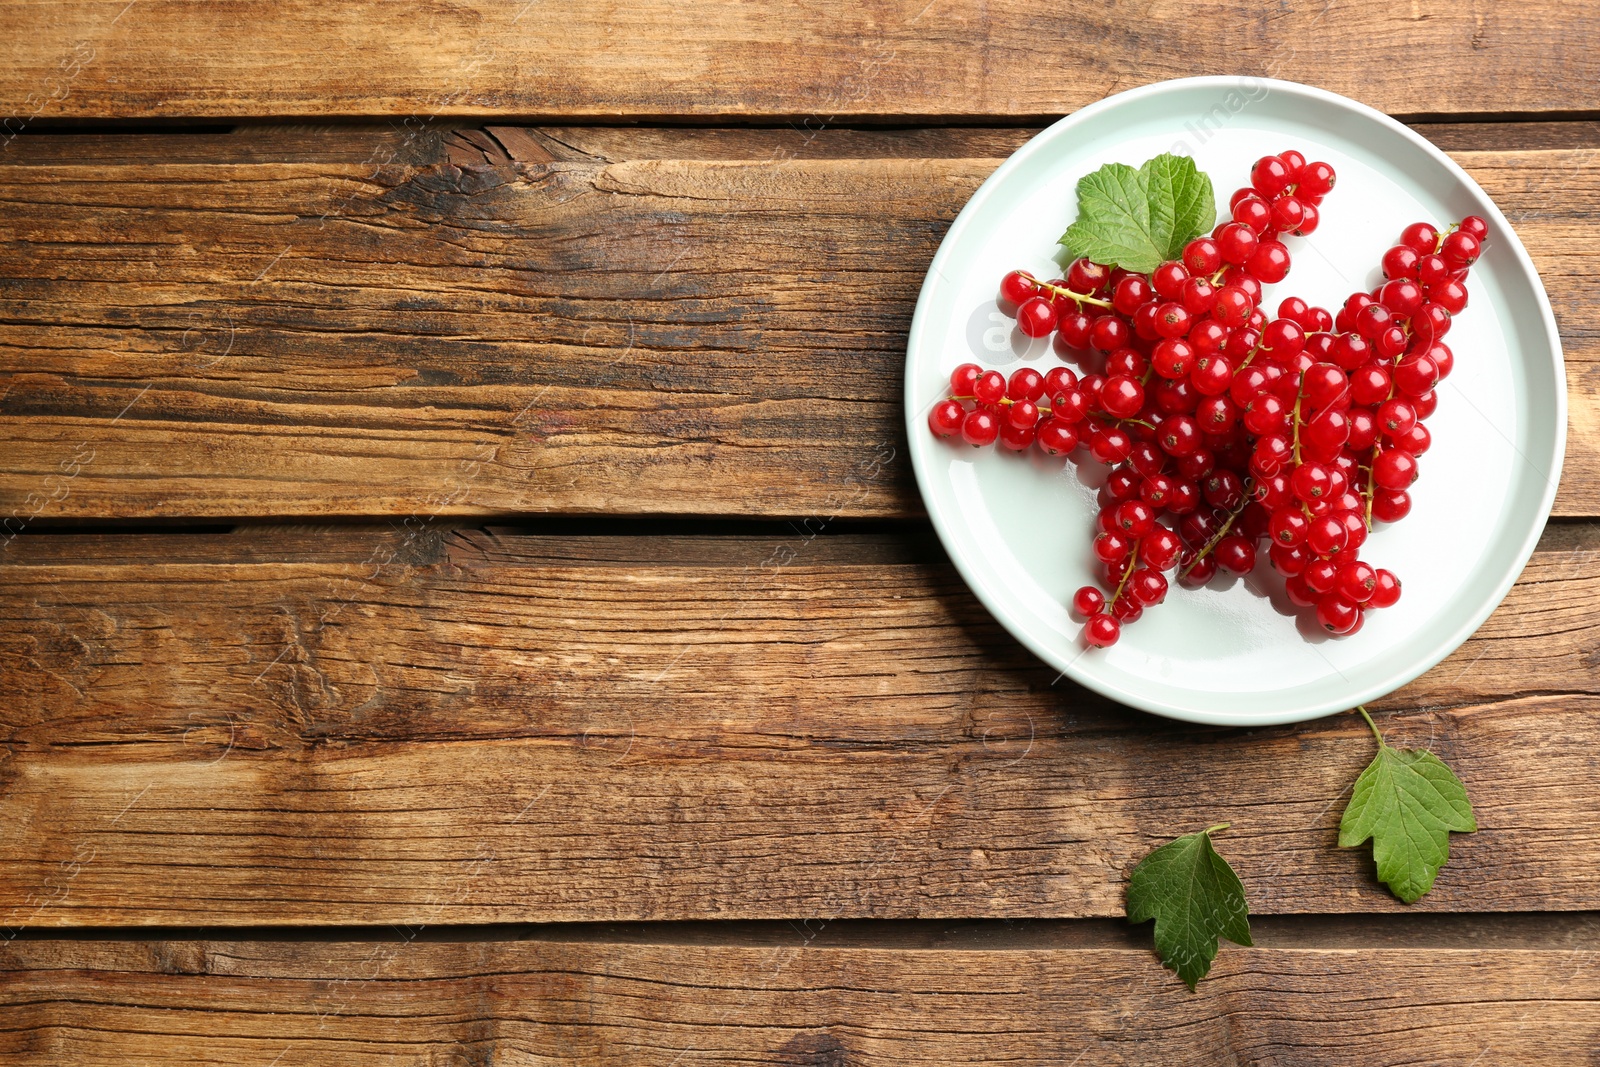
(1139, 219)
(1194, 897)
(1408, 802)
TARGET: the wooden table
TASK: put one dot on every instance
(463, 599)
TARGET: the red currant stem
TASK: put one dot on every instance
(1217, 537)
(1439, 241)
(1372, 461)
(1362, 708)
(1082, 298)
(1248, 359)
(1299, 394)
(1213, 829)
(1372, 483)
(1044, 409)
(1133, 561)
(1112, 418)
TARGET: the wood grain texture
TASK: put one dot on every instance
(581, 335)
(803, 999)
(714, 58)
(346, 727)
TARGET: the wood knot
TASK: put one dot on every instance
(820, 1049)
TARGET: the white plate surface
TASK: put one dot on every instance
(1237, 653)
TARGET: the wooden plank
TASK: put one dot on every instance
(645, 336)
(798, 996)
(721, 58)
(346, 727)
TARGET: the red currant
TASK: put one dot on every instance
(1087, 277)
(1215, 415)
(1179, 435)
(1370, 384)
(1450, 295)
(1232, 307)
(1172, 358)
(946, 417)
(1109, 333)
(1415, 440)
(1235, 554)
(1072, 331)
(1202, 256)
(1159, 549)
(1385, 589)
(1351, 351)
(1421, 238)
(1057, 381)
(1327, 535)
(1416, 375)
(1088, 601)
(1390, 505)
(989, 387)
(1337, 615)
(1253, 213)
(1431, 322)
(1270, 176)
(1265, 414)
(1131, 293)
(1022, 414)
(1056, 437)
(1316, 179)
(1289, 561)
(1199, 296)
(1363, 430)
(1036, 316)
(1459, 249)
(1400, 262)
(1018, 286)
(1015, 437)
(1110, 445)
(1357, 581)
(1288, 527)
(1396, 417)
(1148, 586)
(1195, 573)
(1121, 396)
(963, 378)
(1211, 375)
(1288, 213)
(1236, 242)
(1402, 296)
(1394, 469)
(1326, 433)
(980, 428)
(1432, 270)
(1102, 631)
(1320, 575)
(1168, 279)
(1310, 218)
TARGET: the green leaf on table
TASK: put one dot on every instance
(1194, 897)
(1408, 802)
(1139, 219)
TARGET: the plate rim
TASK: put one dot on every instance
(1069, 668)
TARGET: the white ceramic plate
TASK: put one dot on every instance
(1237, 653)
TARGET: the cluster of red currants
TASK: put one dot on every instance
(1298, 431)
